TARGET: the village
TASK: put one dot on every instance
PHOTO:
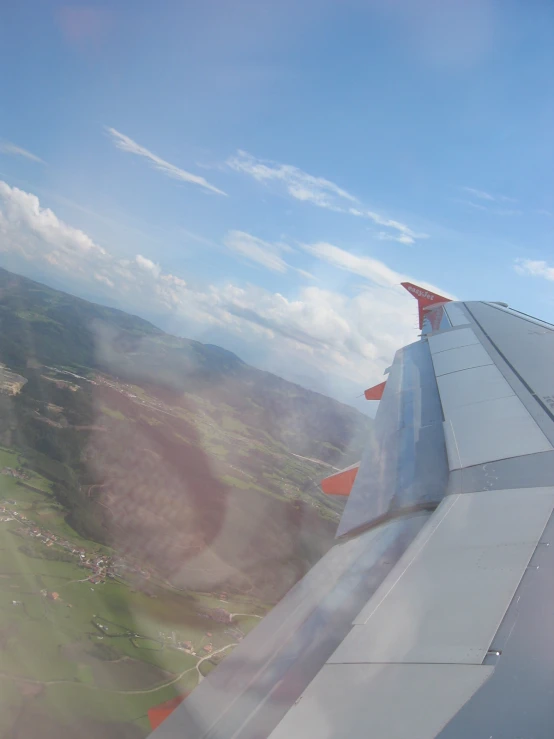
(101, 566)
(18, 473)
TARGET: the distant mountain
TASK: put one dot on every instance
(53, 327)
(198, 465)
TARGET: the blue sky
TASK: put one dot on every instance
(260, 175)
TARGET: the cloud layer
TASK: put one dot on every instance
(171, 170)
(353, 336)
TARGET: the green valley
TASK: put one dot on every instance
(157, 497)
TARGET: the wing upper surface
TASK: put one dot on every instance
(455, 599)
(414, 617)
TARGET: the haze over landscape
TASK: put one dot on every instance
(206, 212)
(153, 485)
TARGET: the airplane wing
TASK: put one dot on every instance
(432, 615)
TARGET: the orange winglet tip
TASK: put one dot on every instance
(424, 298)
(158, 714)
(341, 482)
(375, 392)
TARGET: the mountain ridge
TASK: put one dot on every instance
(144, 326)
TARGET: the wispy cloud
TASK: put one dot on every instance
(266, 253)
(300, 185)
(318, 191)
(482, 195)
(171, 170)
(400, 232)
(373, 270)
(535, 268)
(257, 250)
(492, 208)
(6, 147)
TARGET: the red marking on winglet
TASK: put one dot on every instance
(375, 392)
(158, 714)
(341, 482)
(424, 298)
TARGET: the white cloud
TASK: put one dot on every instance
(402, 239)
(36, 232)
(354, 337)
(148, 265)
(171, 170)
(173, 280)
(256, 250)
(535, 268)
(103, 278)
(6, 147)
(320, 192)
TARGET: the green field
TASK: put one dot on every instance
(57, 664)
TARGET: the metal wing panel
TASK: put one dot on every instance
(484, 418)
(492, 431)
(476, 554)
(453, 339)
(405, 462)
(465, 357)
(456, 314)
(381, 701)
(518, 701)
(527, 347)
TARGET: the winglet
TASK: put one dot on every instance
(341, 482)
(424, 298)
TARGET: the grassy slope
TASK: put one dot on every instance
(35, 632)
